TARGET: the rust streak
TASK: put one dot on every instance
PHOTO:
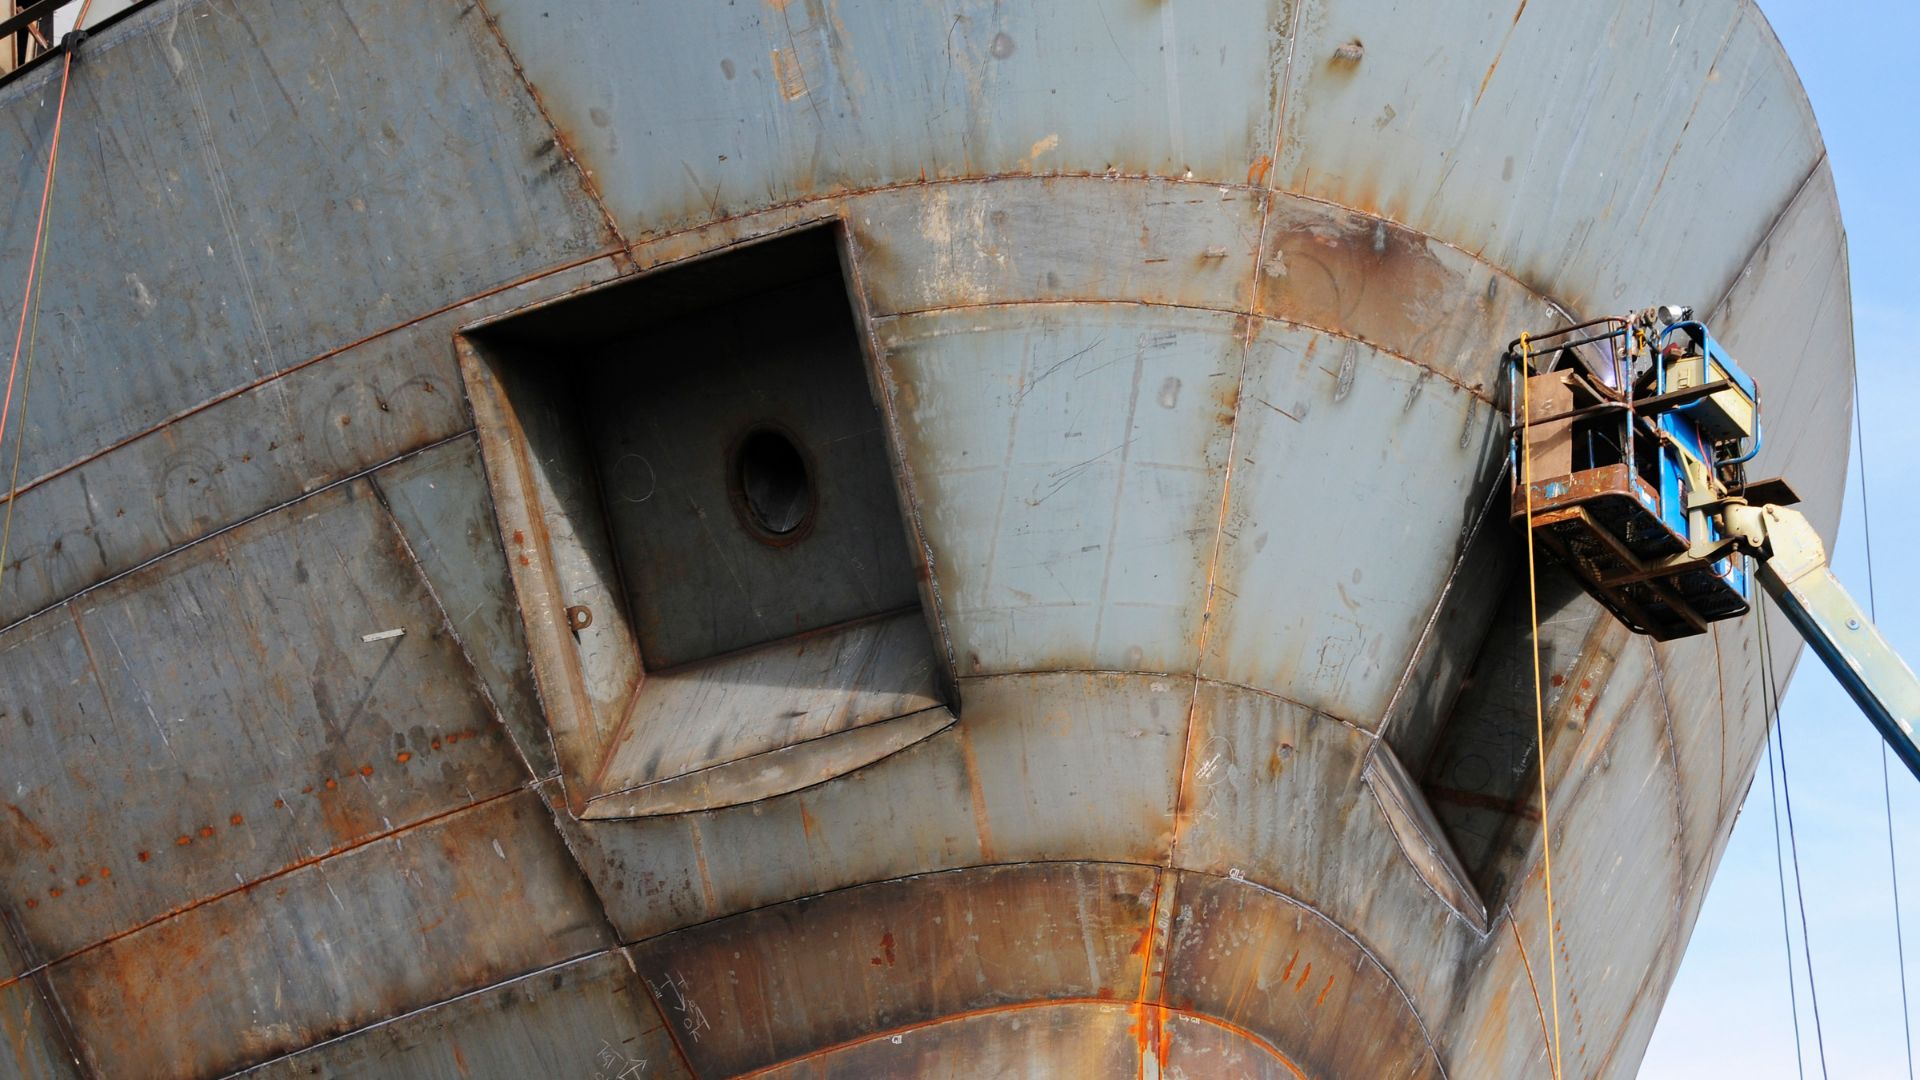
(1498, 53)
(1144, 949)
(39, 837)
(982, 826)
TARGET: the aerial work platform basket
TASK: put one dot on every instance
(1634, 430)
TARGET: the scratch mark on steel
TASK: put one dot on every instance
(1027, 387)
(1119, 492)
(1278, 409)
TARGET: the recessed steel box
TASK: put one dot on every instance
(704, 525)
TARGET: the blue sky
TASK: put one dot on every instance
(1729, 1013)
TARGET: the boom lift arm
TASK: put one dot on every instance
(1637, 431)
(1792, 566)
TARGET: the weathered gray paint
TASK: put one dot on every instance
(250, 188)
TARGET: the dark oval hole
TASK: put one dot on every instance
(773, 483)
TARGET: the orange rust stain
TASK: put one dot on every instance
(1143, 946)
(332, 783)
(308, 790)
(105, 873)
(982, 825)
(1559, 680)
(524, 561)
(40, 839)
(366, 770)
(1324, 991)
(183, 840)
(236, 820)
(806, 822)
(519, 537)
(144, 856)
(1291, 960)
(54, 892)
(1257, 172)
(32, 903)
(459, 1059)
(436, 744)
(83, 881)
(1304, 975)
(281, 804)
(206, 831)
(403, 757)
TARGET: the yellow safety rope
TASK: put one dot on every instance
(1539, 702)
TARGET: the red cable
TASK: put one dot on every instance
(40, 227)
(39, 232)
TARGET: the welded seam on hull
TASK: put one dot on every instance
(274, 875)
(1526, 965)
(986, 839)
(1473, 532)
(1672, 755)
(630, 261)
(881, 385)
(580, 867)
(1571, 794)
(1196, 1016)
(1766, 238)
(1486, 921)
(402, 1017)
(763, 754)
(559, 138)
(1292, 901)
(1476, 390)
(446, 621)
(43, 990)
(225, 529)
(228, 395)
(1249, 320)
(1720, 698)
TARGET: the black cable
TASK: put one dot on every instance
(1793, 841)
(1886, 785)
(1786, 934)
